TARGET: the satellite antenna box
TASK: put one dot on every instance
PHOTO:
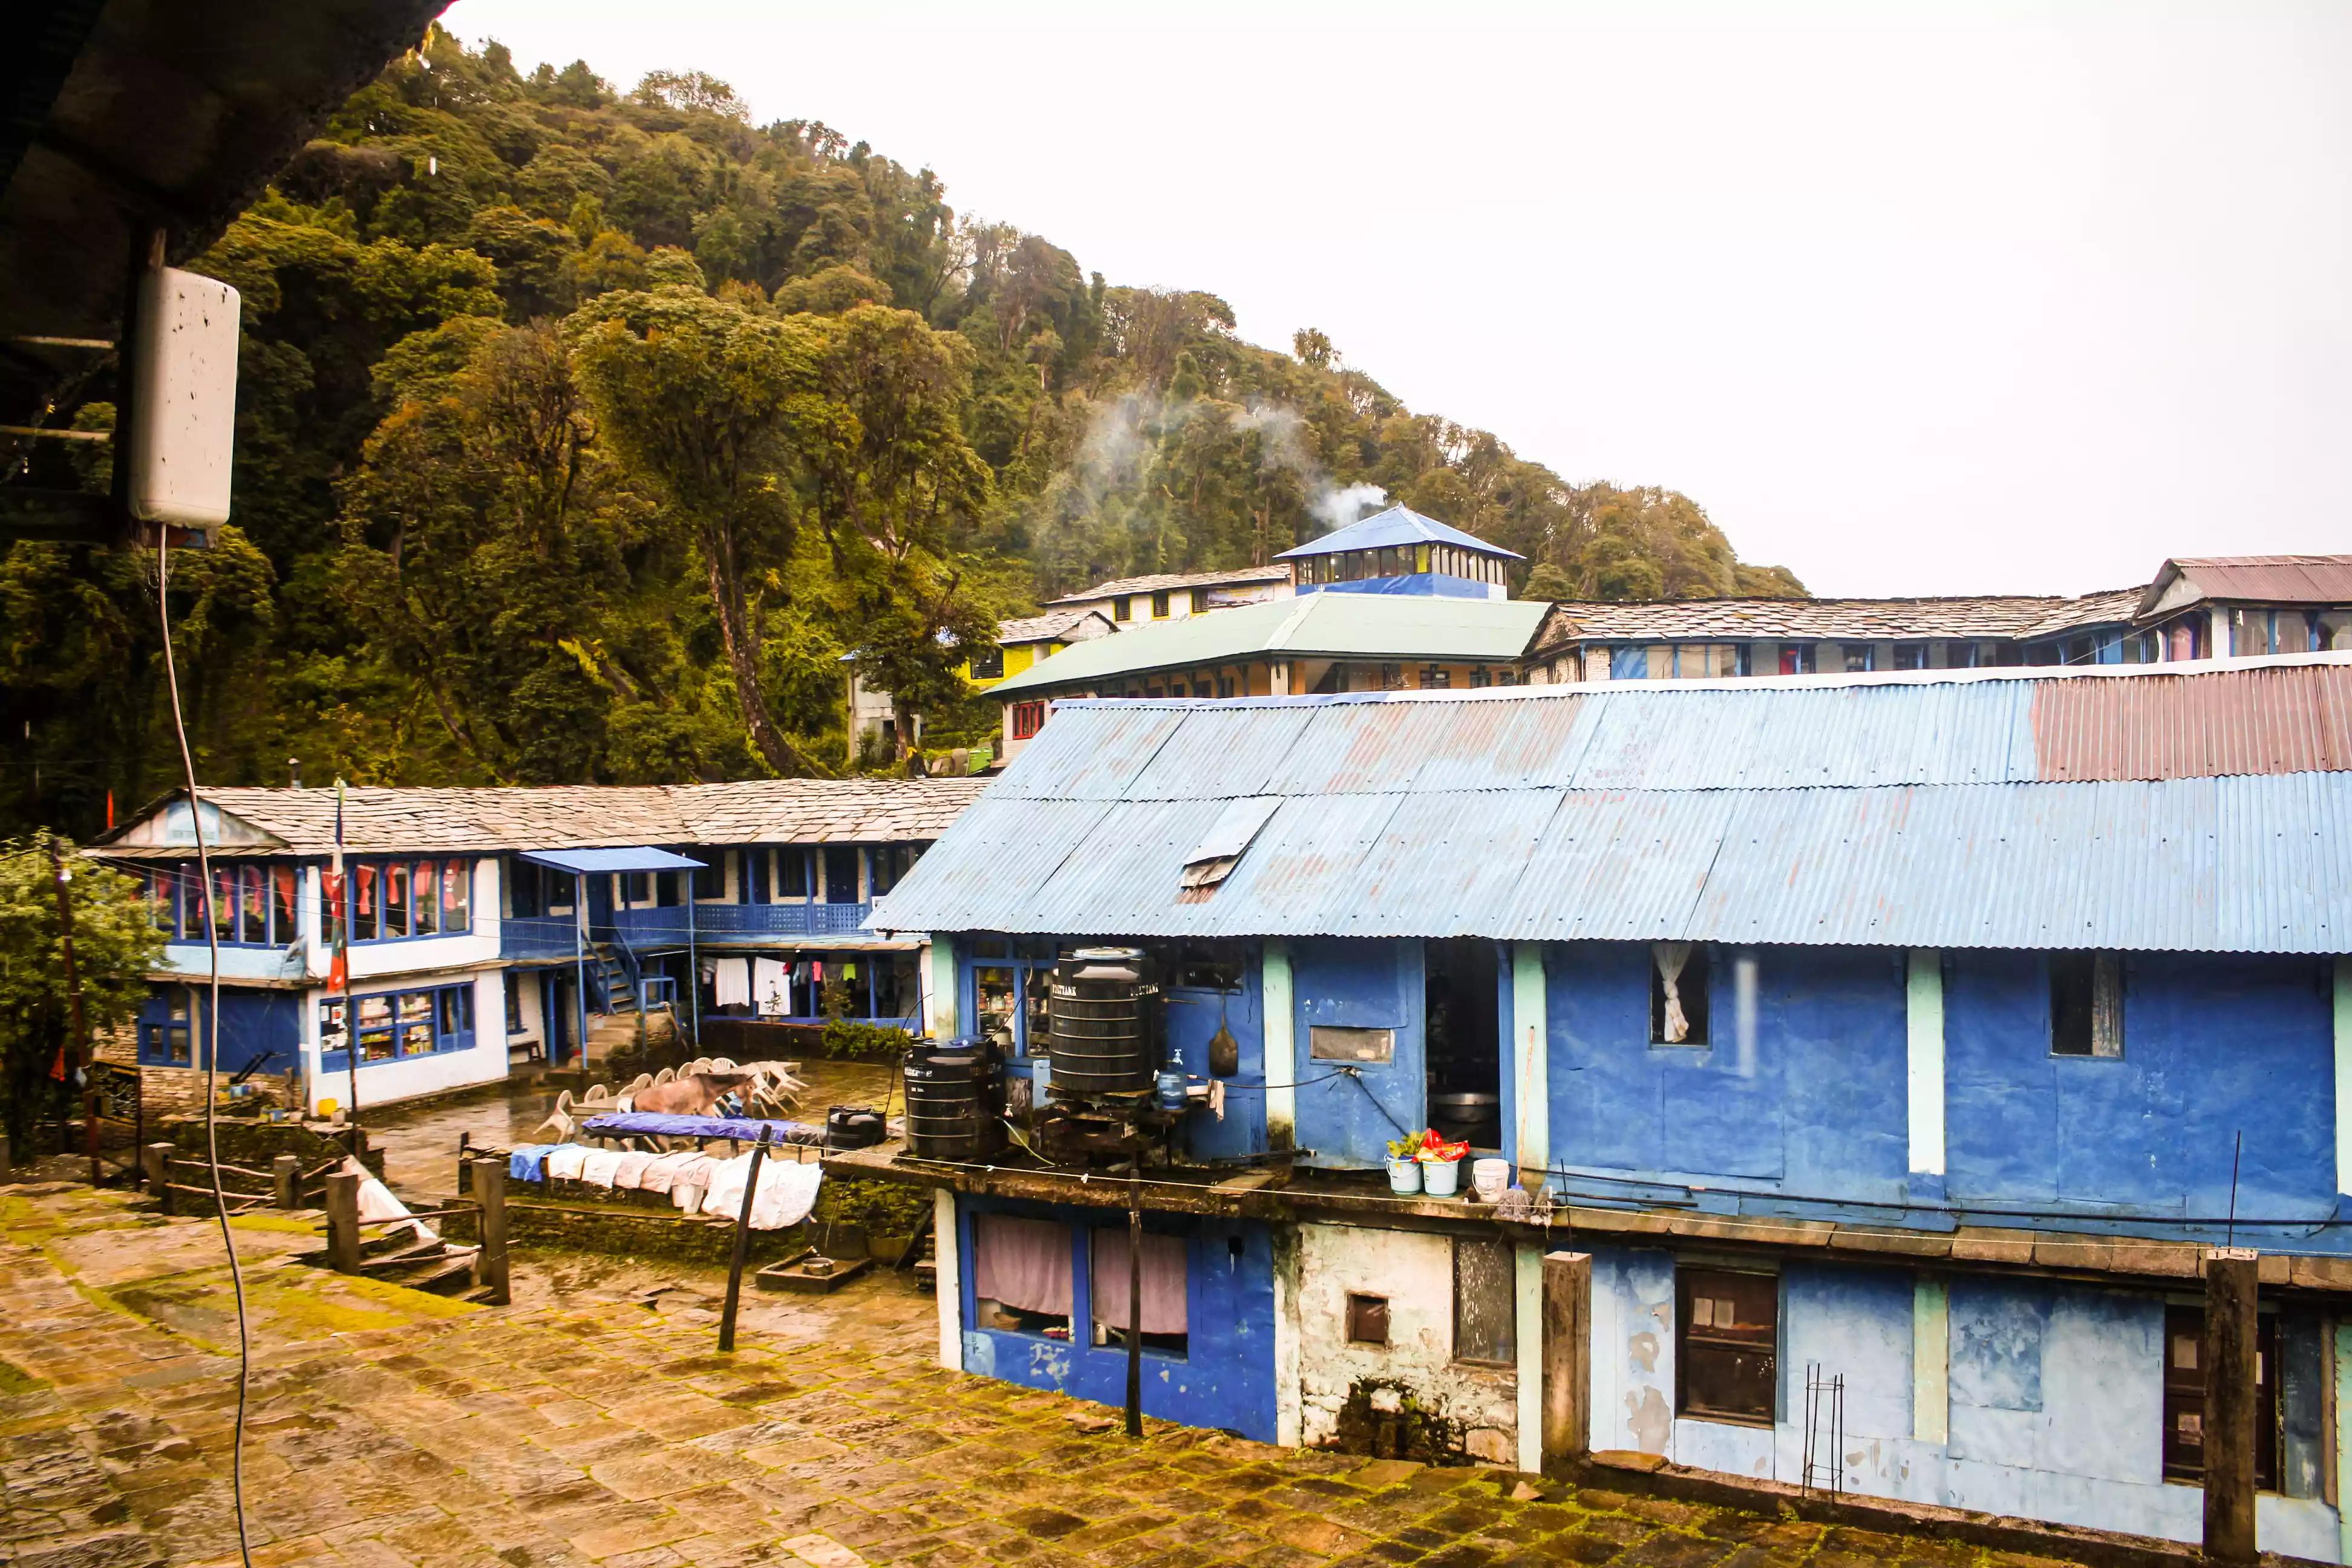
(182, 435)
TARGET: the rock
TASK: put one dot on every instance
(1090, 1421)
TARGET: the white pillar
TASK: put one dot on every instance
(1281, 1047)
(1931, 1356)
(2218, 635)
(947, 1280)
(1924, 1005)
(1528, 1341)
(1286, 1390)
(1530, 1068)
(2344, 1075)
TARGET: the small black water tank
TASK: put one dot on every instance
(955, 1099)
(1109, 1018)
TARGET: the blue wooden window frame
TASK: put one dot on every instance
(380, 875)
(156, 1034)
(442, 1015)
(263, 901)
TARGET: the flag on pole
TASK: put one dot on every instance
(338, 961)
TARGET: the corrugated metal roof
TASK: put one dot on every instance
(2272, 579)
(1343, 626)
(2149, 809)
(1398, 525)
(1156, 581)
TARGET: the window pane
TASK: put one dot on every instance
(163, 900)
(428, 897)
(1486, 1299)
(253, 906)
(457, 896)
(792, 873)
(995, 993)
(1728, 1331)
(841, 874)
(285, 887)
(395, 899)
(334, 1026)
(224, 905)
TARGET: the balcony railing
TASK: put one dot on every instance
(553, 936)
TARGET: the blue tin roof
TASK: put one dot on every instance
(2144, 809)
(1398, 525)
(593, 862)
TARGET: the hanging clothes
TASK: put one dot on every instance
(768, 987)
(1164, 1282)
(730, 982)
(1025, 1264)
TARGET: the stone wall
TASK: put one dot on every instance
(1412, 1388)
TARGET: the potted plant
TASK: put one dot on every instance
(1441, 1175)
(1404, 1165)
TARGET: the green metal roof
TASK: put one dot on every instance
(1330, 625)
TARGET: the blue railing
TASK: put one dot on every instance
(554, 936)
(538, 936)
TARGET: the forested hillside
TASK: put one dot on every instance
(582, 434)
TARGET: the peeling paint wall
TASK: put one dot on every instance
(1414, 1270)
(2054, 1396)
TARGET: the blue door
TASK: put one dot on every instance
(1361, 1070)
(1195, 1015)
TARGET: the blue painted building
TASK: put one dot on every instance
(1913, 1035)
(1400, 551)
(490, 928)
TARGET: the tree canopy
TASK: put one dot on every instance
(582, 434)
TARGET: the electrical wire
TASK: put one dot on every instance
(212, 1050)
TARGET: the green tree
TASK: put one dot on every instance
(114, 942)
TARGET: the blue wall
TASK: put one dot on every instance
(1359, 984)
(2212, 1046)
(1225, 1380)
(1419, 585)
(1816, 1105)
(1193, 1015)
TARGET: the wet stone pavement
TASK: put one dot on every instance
(593, 1422)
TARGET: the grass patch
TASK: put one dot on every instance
(275, 1225)
(14, 1379)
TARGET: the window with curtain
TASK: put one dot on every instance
(1021, 1274)
(1165, 1324)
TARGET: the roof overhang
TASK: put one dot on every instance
(595, 862)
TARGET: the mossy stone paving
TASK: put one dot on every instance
(594, 1423)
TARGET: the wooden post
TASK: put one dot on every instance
(158, 1165)
(742, 1243)
(2230, 1404)
(77, 1051)
(1134, 1305)
(489, 1185)
(1567, 1357)
(286, 1172)
(343, 1221)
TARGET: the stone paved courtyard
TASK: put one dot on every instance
(592, 1421)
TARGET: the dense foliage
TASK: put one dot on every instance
(581, 436)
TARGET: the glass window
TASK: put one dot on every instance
(252, 906)
(2087, 1004)
(163, 900)
(1159, 606)
(988, 663)
(395, 899)
(1021, 1274)
(791, 872)
(427, 880)
(285, 887)
(2184, 1396)
(1727, 1328)
(2332, 631)
(995, 995)
(457, 896)
(514, 1003)
(1485, 1300)
(841, 874)
(457, 1010)
(1162, 1320)
(1678, 975)
(1122, 609)
(224, 902)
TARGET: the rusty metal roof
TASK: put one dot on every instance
(2204, 807)
(1990, 616)
(2266, 579)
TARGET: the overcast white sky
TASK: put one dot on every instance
(1913, 298)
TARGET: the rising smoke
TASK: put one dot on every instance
(1121, 434)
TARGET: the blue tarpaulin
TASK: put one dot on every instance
(657, 1124)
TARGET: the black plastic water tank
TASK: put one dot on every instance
(955, 1099)
(1108, 1021)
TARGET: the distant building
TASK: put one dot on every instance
(2194, 609)
(1020, 642)
(1129, 602)
(1400, 551)
(493, 928)
(1319, 642)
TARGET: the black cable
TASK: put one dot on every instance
(212, 1049)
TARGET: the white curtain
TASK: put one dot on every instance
(731, 980)
(1671, 956)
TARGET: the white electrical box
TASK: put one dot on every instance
(183, 434)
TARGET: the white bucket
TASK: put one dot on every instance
(1404, 1176)
(1441, 1178)
(1490, 1178)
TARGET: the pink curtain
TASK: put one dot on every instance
(1164, 1282)
(1023, 1263)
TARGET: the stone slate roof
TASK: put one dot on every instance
(380, 820)
(1055, 626)
(1237, 576)
(1861, 620)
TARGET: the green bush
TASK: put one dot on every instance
(846, 1040)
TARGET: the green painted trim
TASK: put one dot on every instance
(944, 990)
(1924, 1013)
(1530, 1056)
(1931, 1360)
(1281, 1046)
(1528, 1331)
